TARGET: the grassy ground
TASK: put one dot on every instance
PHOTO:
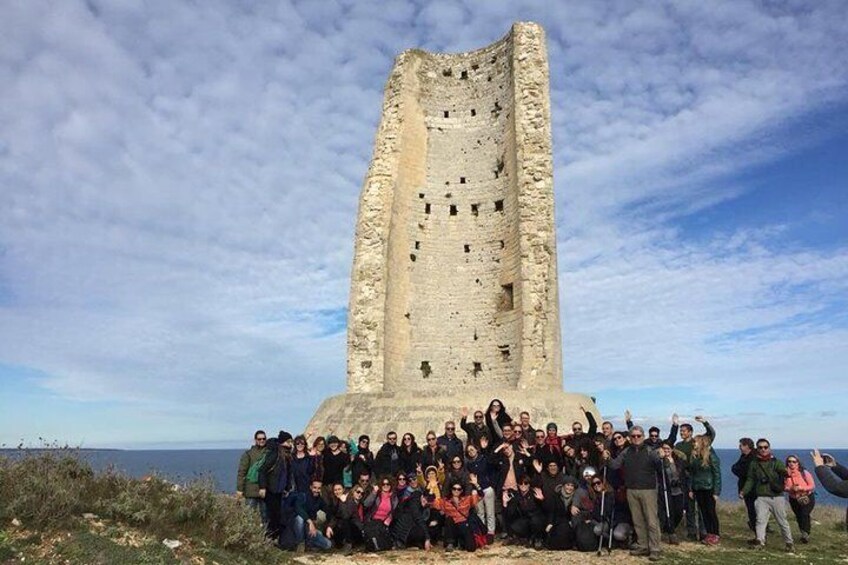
(54, 510)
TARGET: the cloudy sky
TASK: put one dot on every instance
(179, 184)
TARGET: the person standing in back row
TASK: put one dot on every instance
(694, 528)
(247, 479)
(766, 477)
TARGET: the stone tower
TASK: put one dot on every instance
(454, 295)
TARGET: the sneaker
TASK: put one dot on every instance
(805, 537)
(490, 539)
(790, 548)
(642, 552)
(654, 556)
(347, 549)
(449, 548)
(538, 545)
(503, 535)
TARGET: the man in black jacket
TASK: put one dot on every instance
(640, 464)
(387, 461)
(740, 469)
(363, 461)
(476, 429)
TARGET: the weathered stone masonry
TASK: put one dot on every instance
(454, 284)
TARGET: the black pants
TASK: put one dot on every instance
(416, 537)
(690, 518)
(707, 504)
(752, 512)
(527, 527)
(459, 535)
(346, 531)
(676, 503)
(802, 513)
(273, 504)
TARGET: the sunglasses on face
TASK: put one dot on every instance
(431, 439)
(357, 491)
(456, 461)
(654, 435)
(791, 461)
(407, 439)
(456, 488)
(576, 429)
(478, 416)
(616, 438)
(387, 484)
(260, 439)
(393, 438)
(636, 435)
(401, 479)
(596, 483)
(762, 447)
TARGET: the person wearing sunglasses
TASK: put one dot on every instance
(800, 487)
(673, 500)
(304, 465)
(496, 419)
(410, 454)
(766, 477)
(247, 478)
(387, 460)
(363, 458)
(306, 528)
(450, 442)
(380, 505)
(456, 509)
(345, 524)
(525, 515)
(832, 475)
(639, 464)
(477, 463)
(747, 455)
(705, 470)
(474, 430)
(433, 454)
(409, 526)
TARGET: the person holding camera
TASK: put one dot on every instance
(766, 477)
(832, 476)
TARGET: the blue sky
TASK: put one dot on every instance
(180, 184)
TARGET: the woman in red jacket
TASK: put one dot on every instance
(457, 509)
(800, 486)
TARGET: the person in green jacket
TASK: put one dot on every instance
(694, 528)
(705, 479)
(247, 479)
(766, 476)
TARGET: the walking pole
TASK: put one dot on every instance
(665, 496)
(697, 521)
(603, 499)
(611, 526)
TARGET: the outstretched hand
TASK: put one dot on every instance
(627, 416)
(818, 460)
(700, 419)
(463, 411)
(675, 418)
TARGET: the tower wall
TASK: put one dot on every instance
(454, 277)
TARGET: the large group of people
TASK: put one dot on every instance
(587, 490)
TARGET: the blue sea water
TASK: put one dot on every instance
(220, 465)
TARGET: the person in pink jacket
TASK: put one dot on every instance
(800, 487)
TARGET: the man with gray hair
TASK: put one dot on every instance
(640, 465)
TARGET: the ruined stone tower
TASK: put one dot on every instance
(454, 287)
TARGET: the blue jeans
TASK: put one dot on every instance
(318, 541)
(259, 504)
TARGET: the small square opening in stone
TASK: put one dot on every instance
(506, 302)
(426, 371)
(473, 112)
(504, 349)
(475, 209)
(417, 245)
(498, 205)
(453, 210)
(447, 113)
(412, 257)
(427, 208)
(447, 72)
(478, 368)
(475, 66)
(467, 248)
(461, 180)
(420, 195)
(463, 75)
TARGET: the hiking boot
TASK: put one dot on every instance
(805, 537)
(753, 541)
(641, 552)
(503, 535)
(490, 539)
(790, 548)
(510, 541)
(538, 545)
(347, 549)
(672, 539)
(654, 556)
(301, 548)
(449, 548)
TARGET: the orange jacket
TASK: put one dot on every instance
(803, 480)
(457, 512)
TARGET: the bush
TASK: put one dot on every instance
(51, 489)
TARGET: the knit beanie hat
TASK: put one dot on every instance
(283, 436)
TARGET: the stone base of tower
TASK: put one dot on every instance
(376, 414)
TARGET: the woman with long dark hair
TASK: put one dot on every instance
(496, 419)
(800, 487)
(410, 454)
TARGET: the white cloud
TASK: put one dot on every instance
(180, 186)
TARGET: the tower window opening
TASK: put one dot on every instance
(504, 349)
(426, 371)
(478, 368)
(463, 75)
(427, 208)
(417, 245)
(473, 112)
(507, 300)
(420, 195)
(467, 248)
(412, 257)
(447, 114)
(475, 209)
(447, 72)
(453, 210)
(461, 180)
(498, 205)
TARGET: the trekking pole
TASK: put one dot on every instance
(697, 521)
(611, 525)
(665, 496)
(603, 499)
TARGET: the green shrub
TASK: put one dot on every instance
(51, 489)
